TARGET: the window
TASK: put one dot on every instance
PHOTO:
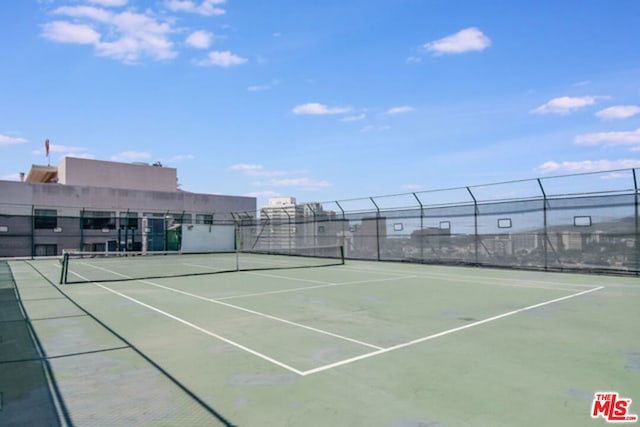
(45, 219)
(204, 219)
(129, 220)
(46, 250)
(504, 223)
(4, 229)
(445, 225)
(96, 220)
(398, 226)
(179, 218)
(582, 221)
(321, 229)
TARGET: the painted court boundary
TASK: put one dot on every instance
(352, 359)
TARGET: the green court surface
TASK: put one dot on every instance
(360, 344)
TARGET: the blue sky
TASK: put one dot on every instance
(323, 100)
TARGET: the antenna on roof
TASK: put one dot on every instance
(46, 149)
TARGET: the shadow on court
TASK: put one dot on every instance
(28, 392)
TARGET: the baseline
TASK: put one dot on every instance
(494, 281)
(447, 332)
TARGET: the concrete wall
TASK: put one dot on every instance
(98, 173)
(71, 199)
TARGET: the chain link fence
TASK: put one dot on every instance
(584, 222)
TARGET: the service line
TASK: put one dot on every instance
(447, 332)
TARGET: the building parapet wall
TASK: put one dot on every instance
(131, 176)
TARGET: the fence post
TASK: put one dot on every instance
(637, 237)
(33, 231)
(377, 227)
(475, 224)
(288, 228)
(544, 213)
(81, 225)
(344, 230)
(421, 228)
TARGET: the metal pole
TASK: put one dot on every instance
(377, 226)
(475, 223)
(344, 231)
(637, 237)
(288, 228)
(421, 234)
(33, 230)
(544, 213)
(81, 230)
(314, 229)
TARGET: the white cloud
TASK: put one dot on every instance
(618, 112)
(89, 12)
(140, 35)
(283, 179)
(66, 151)
(413, 60)
(62, 149)
(399, 110)
(221, 59)
(125, 36)
(315, 109)
(205, 8)
(308, 184)
(200, 39)
(587, 166)
(374, 128)
(610, 138)
(467, 40)
(258, 170)
(263, 194)
(9, 140)
(582, 83)
(131, 156)
(66, 32)
(258, 88)
(109, 3)
(566, 104)
(181, 157)
(355, 118)
(264, 87)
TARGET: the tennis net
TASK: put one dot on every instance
(83, 267)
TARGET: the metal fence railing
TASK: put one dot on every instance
(584, 222)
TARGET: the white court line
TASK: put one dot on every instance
(207, 267)
(485, 280)
(447, 332)
(322, 282)
(304, 288)
(246, 310)
(204, 331)
(196, 327)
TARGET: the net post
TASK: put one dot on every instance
(341, 255)
(63, 270)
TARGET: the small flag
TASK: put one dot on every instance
(46, 146)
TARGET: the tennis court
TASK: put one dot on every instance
(359, 344)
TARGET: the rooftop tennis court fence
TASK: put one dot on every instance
(584, 222)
